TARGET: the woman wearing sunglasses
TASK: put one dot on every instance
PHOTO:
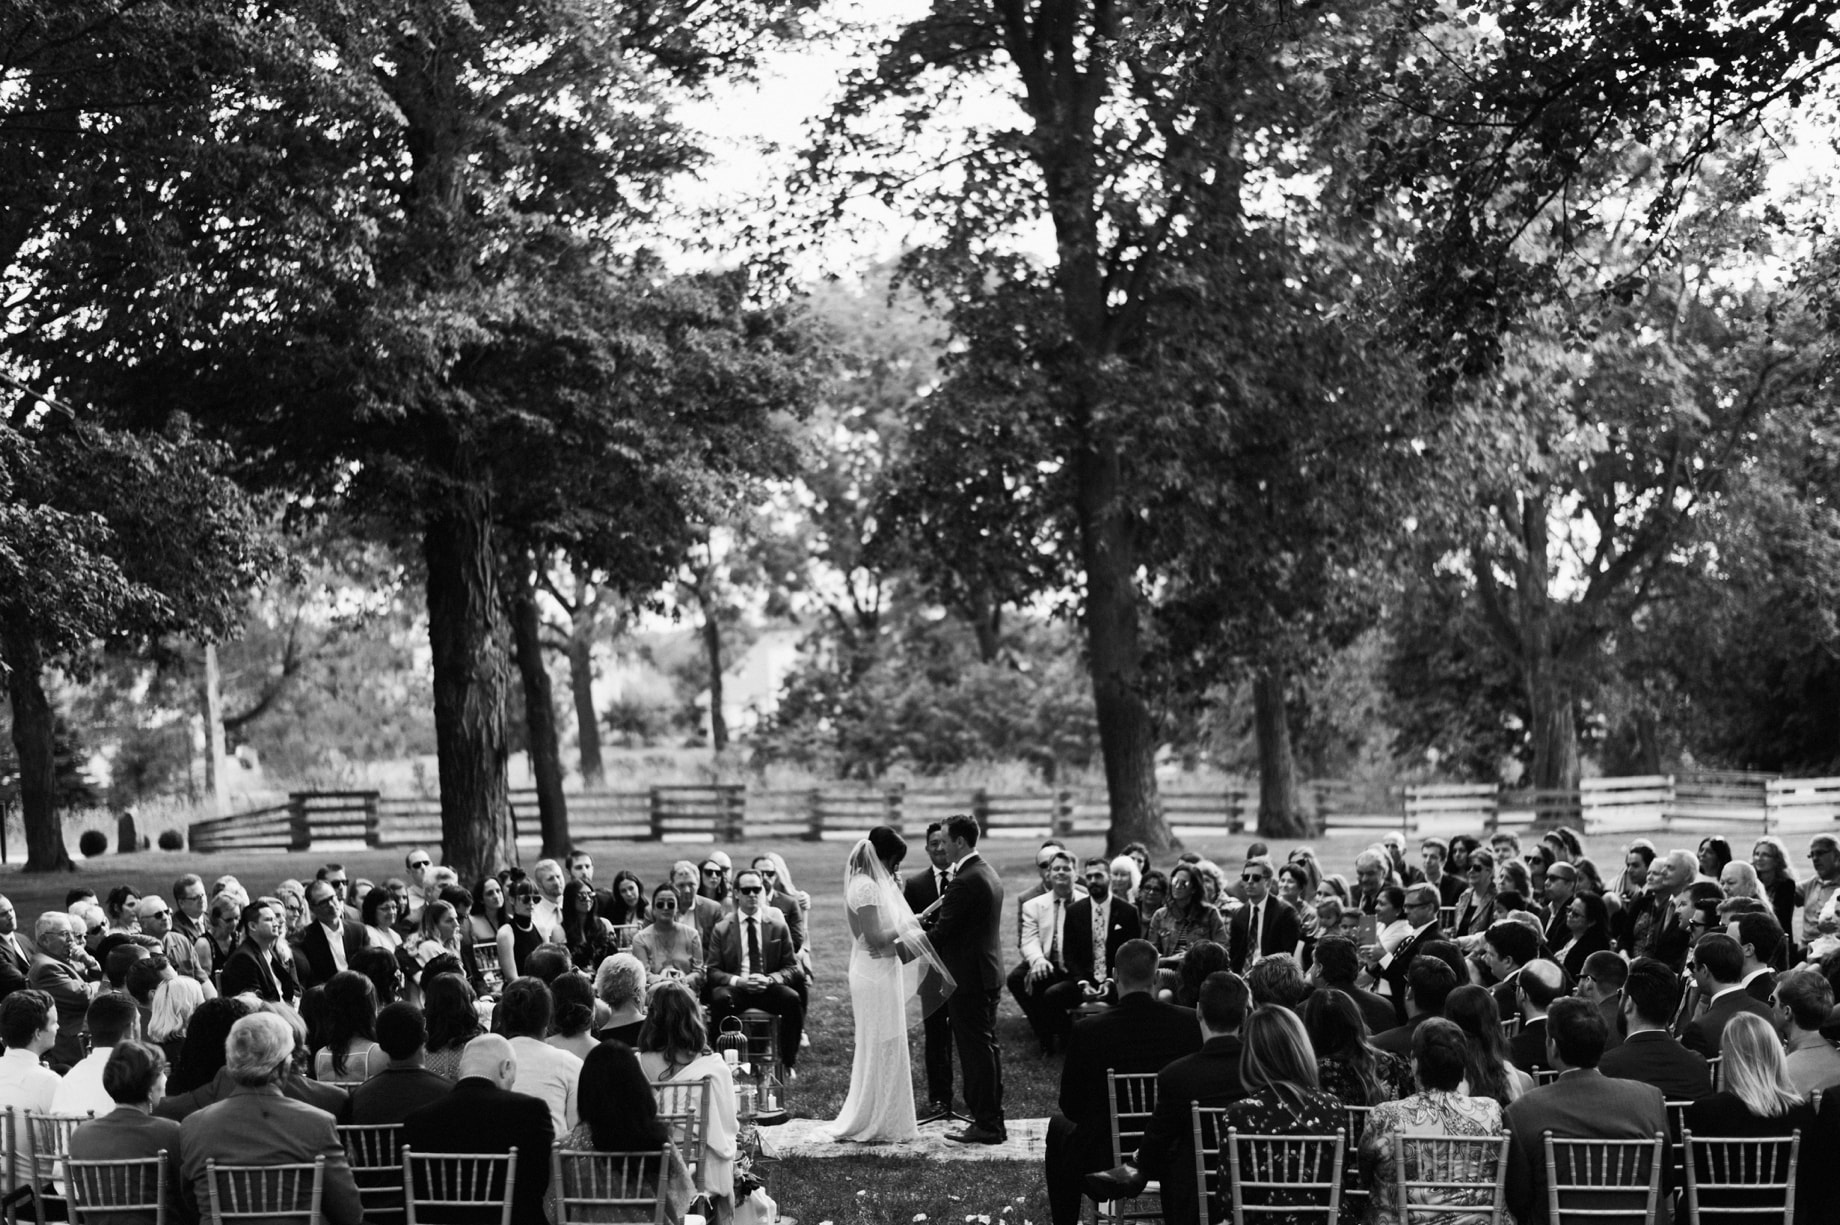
(669, 949)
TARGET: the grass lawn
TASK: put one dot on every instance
(845, 1191)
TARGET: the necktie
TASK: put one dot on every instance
(753, 947)
(1054, 941)
(1258, 912)
(1098, 940)
(942, 881)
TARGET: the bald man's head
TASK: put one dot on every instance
(1541, 982)
(490, 1056)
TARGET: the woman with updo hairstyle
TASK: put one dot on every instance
(350, 1051)
(1489, 1074)
(201, 1058)
(1347, 1062)
(134, 1078)
(620, 985)
(573, 1019)
(1440, 1057)
(673, 1045)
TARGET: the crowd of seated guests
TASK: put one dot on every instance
(1491, 988)
(527, 1010)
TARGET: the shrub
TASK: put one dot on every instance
(93, 843)
(172, 840)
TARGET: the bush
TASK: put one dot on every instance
(172, 840)
(93, 843)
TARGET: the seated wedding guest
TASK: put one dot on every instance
(668, 947)
(1429, 982)
(256, 1124)
(1138, 1034)
(587, 936)
(112, 1019)
(573, 996)
(1334, 966)
(543, 1071)
(1775, 878)
(1718, 968)
(620, 984)
(1282, 1096)
(625, 904)
(1152, 895)
(1440, 1061)
(487, 915)
(1197, 962)
(438, 934)
(1186, 918)
(379, 916)
(1486, 1069)
(1755, 1095)
(699, 912)
(1803, 1001)
(134, 1079)
(201, 1055)
(175, 1000)
(350, 1052)
(29, 1027)
(56, 972)
(778, 897)
(1762, 944)
(449, 1010)
(673, 1045)
(1537, 986)
(330, 1098)
(1587, 926)
(403, 1085)
(1582, 1103)
(520, 936)
(1210, 1077)
(1649, 1052)
(1476, 909)
(1347, 1064)
(1043, 964)
(1277, 980)
(483, 1114)
(620, 1115)
(752, 966)
(1600, 982)
(383, 970)
(257, 966)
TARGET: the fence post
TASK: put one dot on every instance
(373, 821)
(300, 832)
(814, 815)
(657, 812)
(731, 817)
(1062, 823)
(980, 808)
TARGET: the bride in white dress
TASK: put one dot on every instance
(888, 958)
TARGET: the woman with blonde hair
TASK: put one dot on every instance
(174, 1002)
(1776, 875)
(1277, 1069)
(1755, 1097)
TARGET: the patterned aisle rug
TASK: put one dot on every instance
(805, 1138)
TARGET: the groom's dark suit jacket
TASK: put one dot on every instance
(967, 927)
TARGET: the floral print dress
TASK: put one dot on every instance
(1432, 1112)
(1267, 1114)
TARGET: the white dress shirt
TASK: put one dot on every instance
(550, 1073)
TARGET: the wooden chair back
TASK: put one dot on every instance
(683, 1107)
(1437, 1175)
(589, 1187)
(374, 1152)
(1603, 1180)
(1291, 1179)
(269, 1194)
(118, 1192)
(1130, 1099)
(444, 1188)
(1741, 1180)
(47, 1148)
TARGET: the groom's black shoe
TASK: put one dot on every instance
(1119, 1182)
(975, 1134)
(934, 1111)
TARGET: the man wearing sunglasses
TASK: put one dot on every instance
(752, 964)
(1266, 924)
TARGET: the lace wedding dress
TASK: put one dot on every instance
(880, 1105)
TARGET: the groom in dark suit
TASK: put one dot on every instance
(922, 890)
(966, 930)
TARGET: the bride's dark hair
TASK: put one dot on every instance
(889, 846)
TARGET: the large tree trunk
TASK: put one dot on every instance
(1127, 735)
(539, 715)
(985, 617)
(470, 678)
(712, 649)
(210, 694)
(1280, 815)
(581, 687)
(35, 741)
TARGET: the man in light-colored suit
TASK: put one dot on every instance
(1582, 1104)
(256, 1125)
(1044, 953)
(752, 964)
